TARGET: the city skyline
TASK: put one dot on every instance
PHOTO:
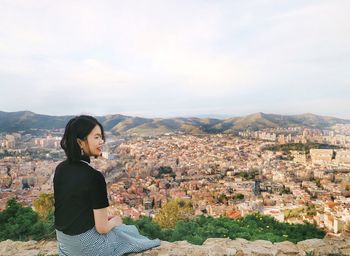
(173, 59)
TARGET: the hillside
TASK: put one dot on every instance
(120, 124)
(26, 120)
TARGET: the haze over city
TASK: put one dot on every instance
(175, 58)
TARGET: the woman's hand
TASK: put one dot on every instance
(103, 223)
(115, 221)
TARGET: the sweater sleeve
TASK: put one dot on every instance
(98, 192)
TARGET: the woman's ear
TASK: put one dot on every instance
(80, 142)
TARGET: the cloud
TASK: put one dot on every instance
(164, 57)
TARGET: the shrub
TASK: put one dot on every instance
(22, 223)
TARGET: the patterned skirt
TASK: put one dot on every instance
(119, 241)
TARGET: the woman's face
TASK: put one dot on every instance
(92, 146)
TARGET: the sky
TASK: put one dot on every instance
(175, 58)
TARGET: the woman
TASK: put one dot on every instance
(81, 221)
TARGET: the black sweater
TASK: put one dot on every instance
(78, 189)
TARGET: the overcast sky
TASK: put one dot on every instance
(175, 58)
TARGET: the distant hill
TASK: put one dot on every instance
(120, 124)
(261, 120)
(26, 120)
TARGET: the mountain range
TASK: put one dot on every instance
(120, 124)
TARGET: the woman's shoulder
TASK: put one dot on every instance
(98, 175)
(92, 171)
(76, 167)
(60, 166)
(68, 164)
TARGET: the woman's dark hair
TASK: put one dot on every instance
(78, 127)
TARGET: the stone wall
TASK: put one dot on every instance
(212, 247)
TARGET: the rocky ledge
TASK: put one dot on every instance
(212, 247)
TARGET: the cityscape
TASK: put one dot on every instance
(227, 124)
(294, 174)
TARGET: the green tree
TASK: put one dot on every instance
(239, 196)
(165, 170)
(251, 227)
(146, 226)
(173, 211)
(318, 183)
(222, 198)
(22, 223)
(44, 204)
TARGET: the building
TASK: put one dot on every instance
(298, 157)
(321, 156)
(342, 157)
